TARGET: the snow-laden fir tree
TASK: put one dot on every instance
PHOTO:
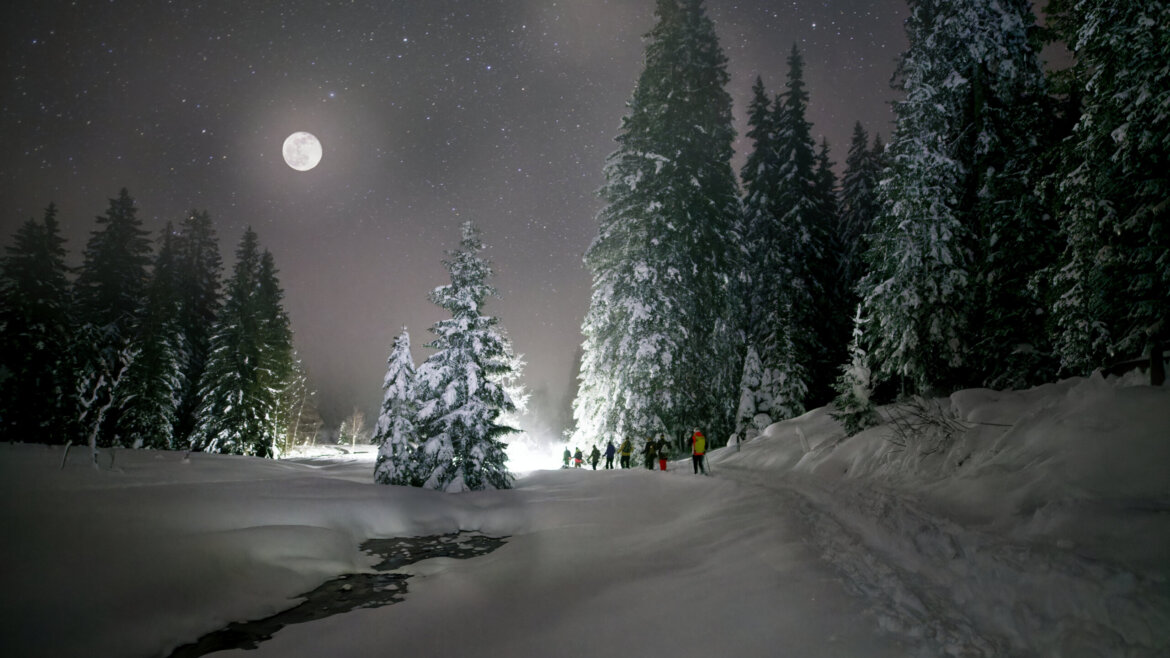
(460, 391)
(35, 331)
(197, 273)
(395, 431)
(834, 322)
(956, 220)
(278, 357)
(858, 208)
(778, 390)
(662, 345)
(1113, 290)
(249, 363)
(800, 203)
(854, 407)
(147, 396)
(108, 294)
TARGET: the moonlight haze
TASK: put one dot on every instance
(431, 114)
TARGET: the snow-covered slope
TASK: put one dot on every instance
(1039, 527)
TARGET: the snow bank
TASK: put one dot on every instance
(1038, 527)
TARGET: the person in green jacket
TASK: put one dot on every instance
(594, 457)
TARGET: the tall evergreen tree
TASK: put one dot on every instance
(1113, 289)
(833, 314)
(278, 358)
(147, 396)
(779, 389)
(197, 272)
(662, 349)
(800, 203)
(460, 394)
(395, 431)
(35, 383)
(250, 361)
(108, 294)
(858, 208)
(951, 246)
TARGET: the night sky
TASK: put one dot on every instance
(431, 112)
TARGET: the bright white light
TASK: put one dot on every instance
(527, 456)
(302, 151)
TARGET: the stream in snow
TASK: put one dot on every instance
(348, 592)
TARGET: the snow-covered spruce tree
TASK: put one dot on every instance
(1114, 284)
(459, 387)
(834, 321)
(800, 204)
(858, 208)
(956, 217)
(662, 344)
(108, 294)
(197, 282)
(853, 406)
(779, 389)
(395, 431)
(249, 360)
(278, 358)
(147, 396)
(35, 383)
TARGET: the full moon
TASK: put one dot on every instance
(302, 151)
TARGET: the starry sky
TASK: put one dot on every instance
(430, 112)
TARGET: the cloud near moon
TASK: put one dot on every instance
(302, 151)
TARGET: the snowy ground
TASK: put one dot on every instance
(1040, 527)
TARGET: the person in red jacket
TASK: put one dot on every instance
(698, 450)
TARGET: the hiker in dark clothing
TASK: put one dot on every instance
(663, 451)
(649, 454)
(594, 457)
(610, 451)
(578, 458)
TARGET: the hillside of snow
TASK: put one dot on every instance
(984, 524)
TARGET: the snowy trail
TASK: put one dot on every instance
(964, 592)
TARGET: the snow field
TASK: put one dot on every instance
(1043, 534)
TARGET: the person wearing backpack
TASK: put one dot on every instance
(578, 458)
(663, 451)
(626, 451)
(610, 451)
(698, 451)
(649, 452)
(594, 457)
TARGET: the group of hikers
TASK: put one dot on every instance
(652, 450)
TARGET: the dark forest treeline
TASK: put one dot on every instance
(141, 349)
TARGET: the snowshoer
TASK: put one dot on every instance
(663, 451)
(610, 451)
(698, 450)
(594, 457)
(649, 453)
(626, 450)
(567, 456)
(577, 458)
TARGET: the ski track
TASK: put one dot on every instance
(957, 591)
